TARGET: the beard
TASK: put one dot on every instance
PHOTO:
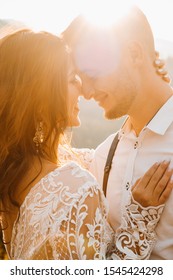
(123, 101)
(113, 114)
(117, 111)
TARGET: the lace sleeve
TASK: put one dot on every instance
(81, 235)
(83, 156)
(136, 237)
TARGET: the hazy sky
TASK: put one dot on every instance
(54, 15)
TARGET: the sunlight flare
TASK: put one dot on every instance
(105, 13)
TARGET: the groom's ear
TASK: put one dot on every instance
(136, 52)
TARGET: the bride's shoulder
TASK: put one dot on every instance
(68, 182)
(73, 175)
(68, 179)
(83, 156)
(74, 169)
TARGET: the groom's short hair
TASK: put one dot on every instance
(132, 26)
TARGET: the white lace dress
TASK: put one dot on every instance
(64, 216)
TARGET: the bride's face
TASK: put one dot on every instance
(74, 91)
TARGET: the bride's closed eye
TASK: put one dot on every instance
(76, 79)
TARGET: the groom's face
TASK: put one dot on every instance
(105, 73)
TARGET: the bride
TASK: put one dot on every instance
(48, 209)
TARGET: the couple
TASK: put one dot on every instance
(51, 210)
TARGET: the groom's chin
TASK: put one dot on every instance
(111, 115)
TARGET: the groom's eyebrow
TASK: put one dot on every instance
(90, 72)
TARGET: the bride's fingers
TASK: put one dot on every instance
(144, 181)
(136, 183)
(157, 175)
(165, 194)
(159, 63)
(162, 184)
(138, 189)
(147, 191)
(162, 189)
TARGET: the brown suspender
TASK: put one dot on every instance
(109, 162)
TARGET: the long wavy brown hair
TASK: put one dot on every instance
(33, 88)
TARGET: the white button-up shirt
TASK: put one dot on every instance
(133, 157)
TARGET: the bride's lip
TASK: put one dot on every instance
(76, 108)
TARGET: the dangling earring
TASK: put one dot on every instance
(39, 136)
(162, 72)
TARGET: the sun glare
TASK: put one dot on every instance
(105, 13)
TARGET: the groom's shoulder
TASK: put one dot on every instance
(103, 149)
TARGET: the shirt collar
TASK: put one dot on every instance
(163, 118)
(126, 127)
(159, 123)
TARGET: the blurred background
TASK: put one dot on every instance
(55, 15)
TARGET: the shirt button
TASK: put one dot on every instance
(136, 145)
(127, 186)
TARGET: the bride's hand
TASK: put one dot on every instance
(154, 188)
(159, 65)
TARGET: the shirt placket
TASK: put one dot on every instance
(129, 172)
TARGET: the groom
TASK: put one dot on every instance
(116, 67)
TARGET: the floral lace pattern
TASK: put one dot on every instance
(136, 237)
(64, 216)
(83, 157)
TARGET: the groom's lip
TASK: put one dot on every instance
(100, 98)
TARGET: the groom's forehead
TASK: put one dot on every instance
(97, 53)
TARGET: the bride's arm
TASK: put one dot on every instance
(81, 234)
(136, 237)
(88, 221)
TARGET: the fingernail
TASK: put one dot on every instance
(170, 169)
(171, 180)
(166, 162)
